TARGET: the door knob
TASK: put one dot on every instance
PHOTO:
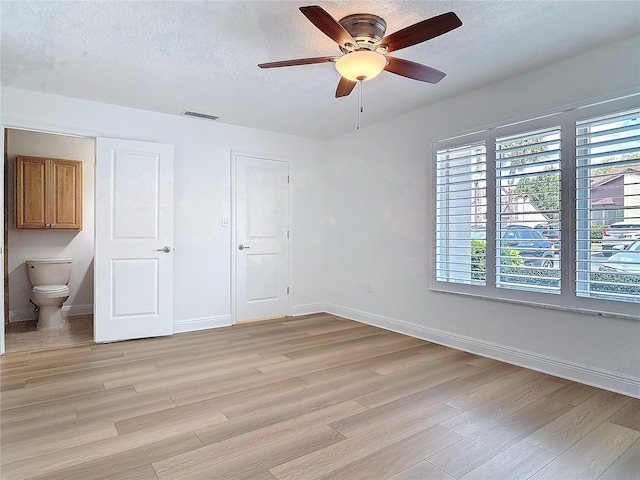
(242, 247)
(165, 249)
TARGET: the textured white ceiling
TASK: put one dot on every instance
(172, 56)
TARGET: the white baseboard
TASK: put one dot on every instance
(308, 309)
(74, 310)
(616, 382)
(67, 311)
(195, 324)
(22, 315)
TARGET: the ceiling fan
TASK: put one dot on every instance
(361, 39)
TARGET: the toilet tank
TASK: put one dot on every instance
(49, 271)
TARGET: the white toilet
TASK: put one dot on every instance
(49, 278)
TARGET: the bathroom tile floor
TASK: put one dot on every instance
(23, 336)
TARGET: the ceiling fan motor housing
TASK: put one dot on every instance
(365, 28)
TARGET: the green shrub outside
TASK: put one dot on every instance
(479, 259)
(530, 276)
(596, 231)
(624, 283)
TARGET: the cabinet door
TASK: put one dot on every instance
(66, 194)
(31, 192)
(48, 193)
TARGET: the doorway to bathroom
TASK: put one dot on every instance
(22, 244)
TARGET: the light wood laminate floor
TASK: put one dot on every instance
(316, 397)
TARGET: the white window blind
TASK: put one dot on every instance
(461, 214)
(608, 207)
(528, 209)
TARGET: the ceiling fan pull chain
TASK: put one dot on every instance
(360, 108)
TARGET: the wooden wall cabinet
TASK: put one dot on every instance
(48, 193)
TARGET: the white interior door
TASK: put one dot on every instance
(262, 245)
(3, 246)
(134, 240)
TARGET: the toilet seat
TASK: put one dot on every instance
(51, 290)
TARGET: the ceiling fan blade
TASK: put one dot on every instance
(420, 32)
(413, 70)
(329, 26)
(300, 61)
(345, 87)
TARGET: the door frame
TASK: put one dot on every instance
(234, 235)
(13, 124)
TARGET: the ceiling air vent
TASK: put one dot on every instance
(200, 115)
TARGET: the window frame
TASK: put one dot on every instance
(568, 299)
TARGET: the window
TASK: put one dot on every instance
(552, 205)
(461, 206)
(608, 206)
(527, 170)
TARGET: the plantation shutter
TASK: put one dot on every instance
(528, 208)
(607, 192)
(461, 214)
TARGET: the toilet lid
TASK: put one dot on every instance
(50, 289)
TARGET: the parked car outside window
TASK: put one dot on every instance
(619, 234)
(549, 230)
(531, 245)
(627, 261)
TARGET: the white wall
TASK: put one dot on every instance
(202, 192)
(363, 199)
(379, 230)
(24, 244)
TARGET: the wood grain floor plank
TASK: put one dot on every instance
(82, 454)
(42, 420)
(336, 389)
(626, 467)
(324, 461)
(440, 361)
(520, 460)
(326, 347)
(397, 457)
(375, 352)
(485, 362)
(136, 461)
(396, 365)
(55, 441)
(592, 455)
(492, 388)
(346, 373)
(218, 382)
(311, 340)
(173, 421)
(561, 433)
(628, 416)
(423, 471)
(297, 367)
(222, 448)
(488, 374)
(413, 384)
(256, 463)
(574, 393)
(43, 394)
(364, 421)
(193, 372)
(474, 450)
(499, 407)
(241, 395)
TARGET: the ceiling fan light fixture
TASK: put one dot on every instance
(361, 65)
